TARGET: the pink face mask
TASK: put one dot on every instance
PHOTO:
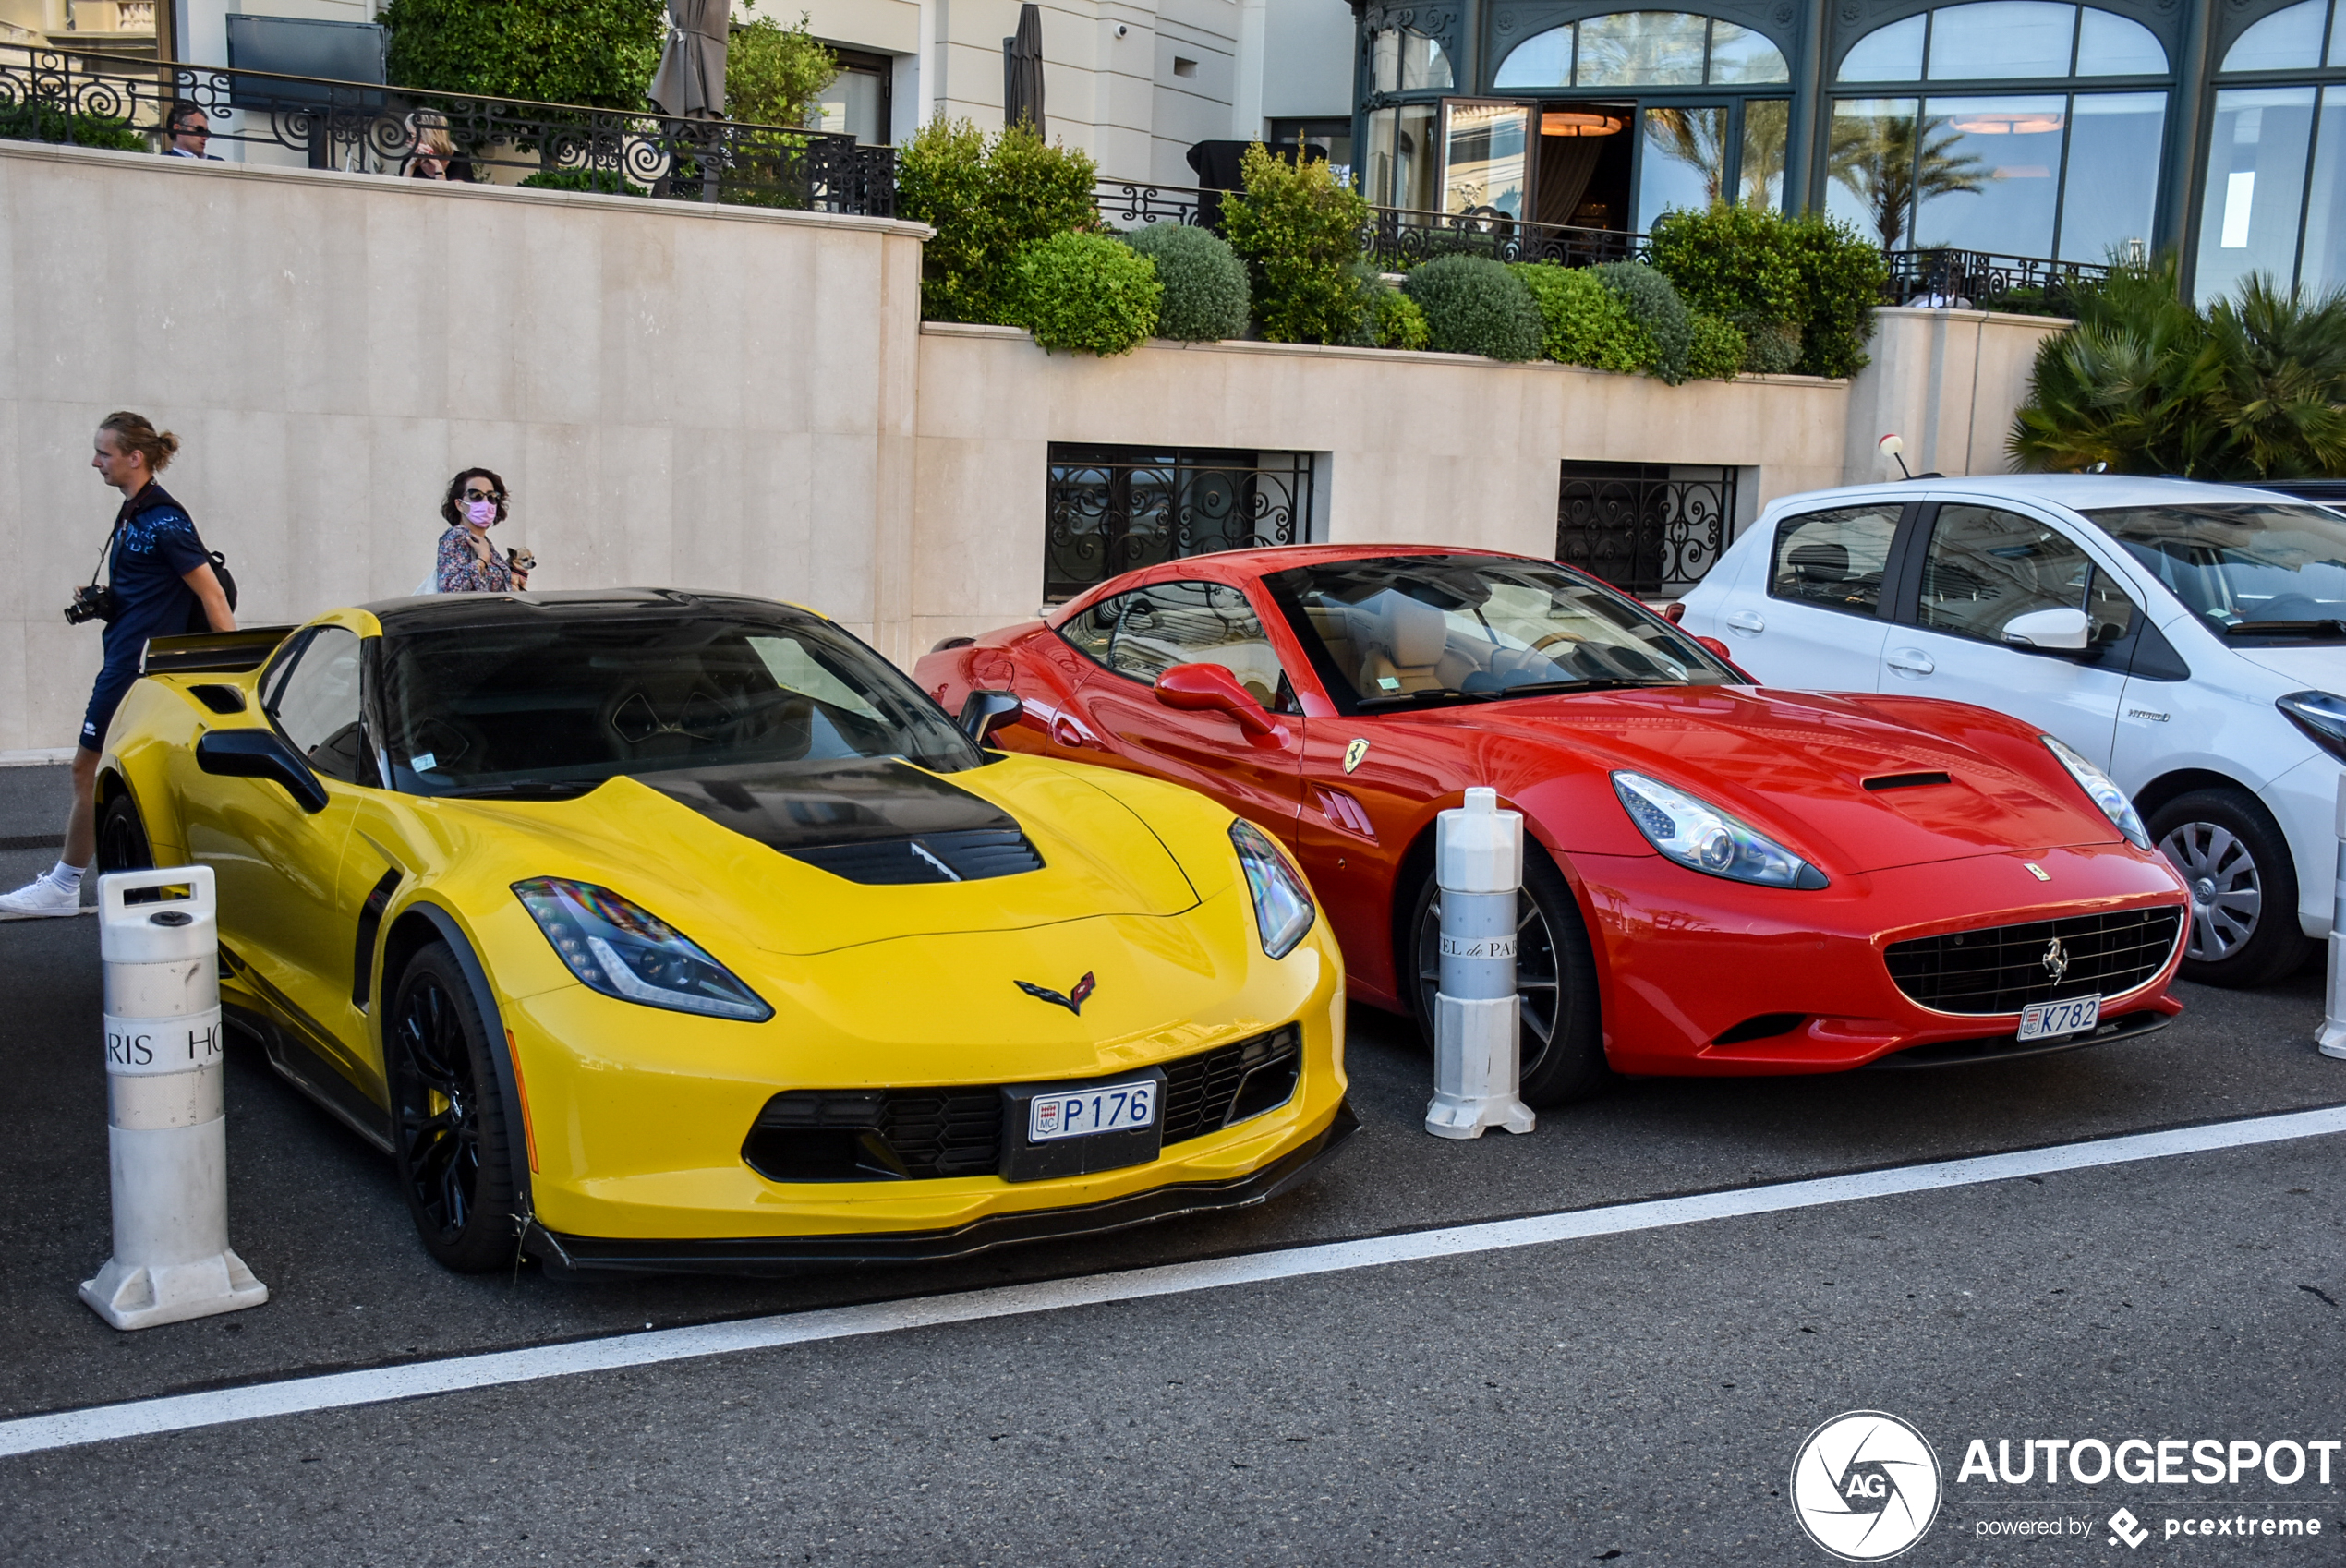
(480, 513)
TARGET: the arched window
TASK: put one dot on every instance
(2275, 201)
(1642, 49)
(2041, 170)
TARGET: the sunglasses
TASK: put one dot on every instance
(481, 495)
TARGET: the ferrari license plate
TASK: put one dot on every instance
(1107, 1107)
(2047, 1020)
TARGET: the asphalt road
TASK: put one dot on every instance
(1632, 1399)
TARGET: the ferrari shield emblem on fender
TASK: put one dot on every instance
(1353, 753)
(2039, 873)
(1073, 999)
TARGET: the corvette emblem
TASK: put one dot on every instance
(2039, 873)
(1073, 999)
(2056, 960)
(1353, 753)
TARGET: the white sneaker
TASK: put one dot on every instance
(39, 898)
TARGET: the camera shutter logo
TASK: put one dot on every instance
(1865, 1486)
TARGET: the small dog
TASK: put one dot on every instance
(521, 560)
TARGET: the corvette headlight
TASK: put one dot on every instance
(621, 949)
(2105, 792)
(1283, 909)
(1702, 838)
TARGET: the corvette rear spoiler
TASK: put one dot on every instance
(211, 652)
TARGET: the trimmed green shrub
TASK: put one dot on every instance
(1474, 304)
(1395, 320)
(1583, 323)
(46, 122)
(1206, 294)
(1716, 352)
(1732, 262)
(599, 53)
(987, 200)
(1299, 231)
(1086, 293)
(1770, 347)
(1653, 305)
(604, 182)
(1842, 277)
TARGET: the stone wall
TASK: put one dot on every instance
(1945, 382)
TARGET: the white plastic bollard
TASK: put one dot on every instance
(2332, 1038)
(1478, 859)
(167, 1128)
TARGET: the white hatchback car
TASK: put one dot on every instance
(2188, 638)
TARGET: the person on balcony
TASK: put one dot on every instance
(434, 157)
(187, 133)
(468, 562)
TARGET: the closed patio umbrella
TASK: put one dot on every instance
(1022, 70)
(691, 78)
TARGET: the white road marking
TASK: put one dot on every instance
(334, 1390)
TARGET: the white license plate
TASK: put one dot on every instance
(2047, 1019)
(1110, 1108)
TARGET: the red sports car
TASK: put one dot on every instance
(1721, 879)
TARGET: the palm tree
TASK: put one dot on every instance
(1696, 138)
(1873, 157)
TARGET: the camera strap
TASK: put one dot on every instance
(106, 551)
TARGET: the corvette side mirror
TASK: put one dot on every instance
(985, 712)
(261, 753)
(2065, 631)
(1209, 688)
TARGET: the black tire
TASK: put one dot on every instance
(122, 836)
(448, 1116)
(1563, 1044)
(2230, 854)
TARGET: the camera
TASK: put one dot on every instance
(92, 602)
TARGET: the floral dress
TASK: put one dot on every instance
(460, 571)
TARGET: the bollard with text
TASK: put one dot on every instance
(167, 1129)
(2332, 1038)
(1478, 859)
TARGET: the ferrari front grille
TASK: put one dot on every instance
(923, 1134)
(969, 854)
(2005, 968)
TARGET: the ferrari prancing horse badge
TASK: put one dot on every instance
(1353, 753)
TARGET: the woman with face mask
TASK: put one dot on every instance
(468, 562)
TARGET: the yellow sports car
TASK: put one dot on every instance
(656, 930)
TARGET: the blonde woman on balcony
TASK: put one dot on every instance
(434, 157)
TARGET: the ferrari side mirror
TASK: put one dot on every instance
(261, 753)
(2064, 629)
(985, 712)
(1210, 688)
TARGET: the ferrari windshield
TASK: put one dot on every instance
(1421, 630)
(2260, 571)
(556, 705)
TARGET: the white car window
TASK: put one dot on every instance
(1986, 566)
(1834, 560)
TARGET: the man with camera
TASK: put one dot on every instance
(161, 584)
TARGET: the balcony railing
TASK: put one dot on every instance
(1395, 238)
(1984, 281)
(116, 101)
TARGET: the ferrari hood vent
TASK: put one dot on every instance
(879, 822)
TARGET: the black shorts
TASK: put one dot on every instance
(113, 683)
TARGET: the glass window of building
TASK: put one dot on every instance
(856, 101)
(1642, 49)
(1401, 61)
(2275, 198)
(2286, 41)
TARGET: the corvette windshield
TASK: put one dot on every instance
(2257, 572)
(1426, 629)
(557, 706)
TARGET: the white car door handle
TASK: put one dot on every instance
(1910, 661)
(1744, 620)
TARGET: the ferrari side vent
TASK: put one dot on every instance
(2004, 968)
(1906, 780)
(1762, 1026)
(966, 855)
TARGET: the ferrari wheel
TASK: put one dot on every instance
(451, 1118)
(122, 838)
(2243, 887)
(1563, 1049)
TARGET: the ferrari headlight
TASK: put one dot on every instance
(621, 949)
(1283, 909)
(1702, 838)
(2105, 792)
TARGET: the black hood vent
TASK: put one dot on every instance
(879, 822)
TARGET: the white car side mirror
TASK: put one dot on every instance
(2066, 630)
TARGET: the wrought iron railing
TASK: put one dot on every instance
(116, 101)
(1984, 281)
(1113, 508)
(1643, 526)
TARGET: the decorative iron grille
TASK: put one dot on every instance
(1115, 508)
(1981, 280)
(1398, 237)
(1648, 528)
(116, 101)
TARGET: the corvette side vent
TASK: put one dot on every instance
(969, 855)
(1906, 780)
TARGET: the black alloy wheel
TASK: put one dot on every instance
(1562, 1049)
(450, 1114)
(122, 838)
(2231, 854)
